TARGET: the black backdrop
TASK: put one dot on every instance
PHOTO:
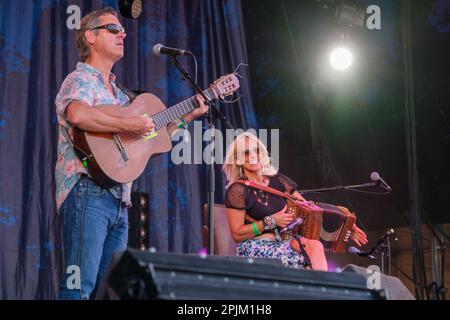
(339, 127)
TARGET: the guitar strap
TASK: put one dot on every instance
(82, 156)
(128, 92)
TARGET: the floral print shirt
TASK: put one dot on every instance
(85, 84)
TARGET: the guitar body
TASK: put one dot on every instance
(106, 163)
(117, 158)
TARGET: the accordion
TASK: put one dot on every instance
(331, 225)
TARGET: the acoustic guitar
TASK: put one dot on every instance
(120, 157)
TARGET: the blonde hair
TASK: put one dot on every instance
(232, 164)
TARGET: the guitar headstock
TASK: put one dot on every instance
(226, 85)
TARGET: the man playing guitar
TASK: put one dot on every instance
(94, 218)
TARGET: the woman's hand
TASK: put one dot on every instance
(358, 236)
(282, 218)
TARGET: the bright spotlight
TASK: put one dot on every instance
(341, 58)
(130, 9)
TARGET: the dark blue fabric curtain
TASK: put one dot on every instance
(37, 51)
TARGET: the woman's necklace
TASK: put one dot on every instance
(261, 196)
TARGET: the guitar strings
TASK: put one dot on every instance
(165, 117)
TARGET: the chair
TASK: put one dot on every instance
(224, 245)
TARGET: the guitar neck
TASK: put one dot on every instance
(167, 116)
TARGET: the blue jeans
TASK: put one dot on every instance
(94, 226)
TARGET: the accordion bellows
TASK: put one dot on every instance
(331, 225)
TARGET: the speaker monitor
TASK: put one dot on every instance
(394, 288)
(138, 274)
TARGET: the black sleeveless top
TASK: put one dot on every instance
(257, 203)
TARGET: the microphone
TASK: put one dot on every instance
(390, 232)
(380, 241)
(159, 49)
(293, 224)
(375, 177)
(360, 253)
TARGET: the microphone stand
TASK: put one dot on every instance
(212, 115)
(382, 244)
(364, 185)
(386, 244)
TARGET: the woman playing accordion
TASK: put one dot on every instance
(255, 216)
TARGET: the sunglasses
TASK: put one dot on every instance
(111, 27)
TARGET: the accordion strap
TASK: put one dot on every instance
(264, 188)
(267, 189)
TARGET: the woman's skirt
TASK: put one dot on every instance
(267, 248)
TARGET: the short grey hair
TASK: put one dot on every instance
(91, 20)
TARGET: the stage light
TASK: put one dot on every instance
(350, 15)
(341, 58)
(346, 12)
(130, 9)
